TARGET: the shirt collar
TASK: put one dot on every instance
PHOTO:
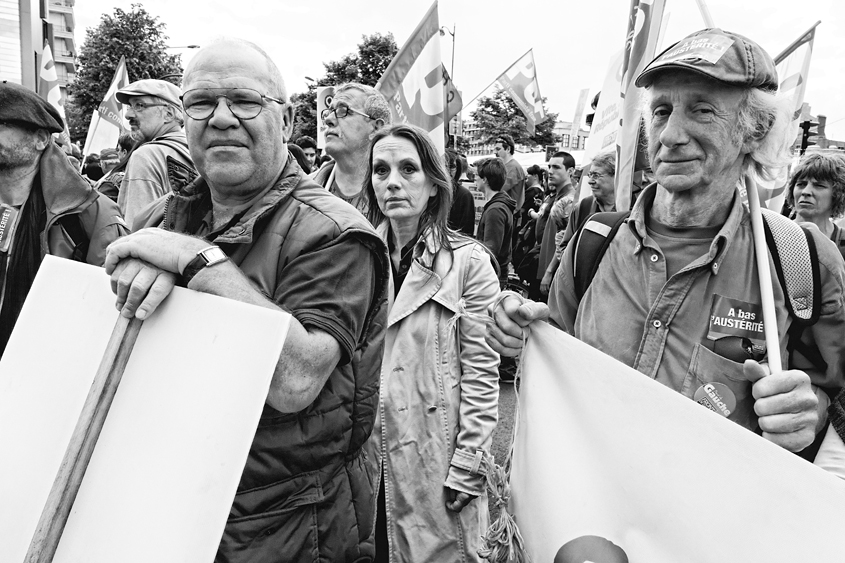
(721, 242)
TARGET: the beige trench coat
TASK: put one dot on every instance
(438, 404)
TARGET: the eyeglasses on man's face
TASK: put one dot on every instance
(244, 103)
(340, 111)
(595, 175)
(138, 107)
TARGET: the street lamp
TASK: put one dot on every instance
(443, 31)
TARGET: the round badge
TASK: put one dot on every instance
(717, 397)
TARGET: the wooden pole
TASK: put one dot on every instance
(761, 252)
(47, 535)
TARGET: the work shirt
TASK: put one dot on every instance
(665, 328)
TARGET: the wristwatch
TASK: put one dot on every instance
(207, 257)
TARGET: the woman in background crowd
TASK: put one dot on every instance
(439, 387)
(817, 194)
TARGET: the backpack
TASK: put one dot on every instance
(791, 246)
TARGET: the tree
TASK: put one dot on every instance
(137, 35)
(500, 115)
(366, 66)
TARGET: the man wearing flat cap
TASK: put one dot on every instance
(679, 274)
(162, 163)
(46, 207)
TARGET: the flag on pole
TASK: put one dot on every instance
(641, 45)
(108, 121)
(793, 67)
(520, 82)
(415, 83)
(608, 460)
(579, 113)
(48, 89)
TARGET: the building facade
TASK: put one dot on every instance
(562, 129)
(25, 25)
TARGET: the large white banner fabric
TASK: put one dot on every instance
(602, 450)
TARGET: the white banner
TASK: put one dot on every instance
(608, 460)
(324, 100)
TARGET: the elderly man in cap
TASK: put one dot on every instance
(684, 259)
(163, 162)
(357, 112)
(255, 229)
(46, 207)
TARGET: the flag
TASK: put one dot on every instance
(793, 67)
(415, 83)
(605, 125)
(520, 82)
(606, 455)
(640, 48)
(454, 103)
(108, 121)
(579, 113)
(48, 89)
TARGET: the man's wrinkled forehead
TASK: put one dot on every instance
(228, 65)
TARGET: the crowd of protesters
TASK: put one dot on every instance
(375, 437)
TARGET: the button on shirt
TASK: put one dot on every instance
(658, 324)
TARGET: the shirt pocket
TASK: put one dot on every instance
(708, 367)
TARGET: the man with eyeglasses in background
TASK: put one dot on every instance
(601, 181)
(162, 162)
(254, 228)
(357, 112)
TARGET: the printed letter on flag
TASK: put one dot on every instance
(48, 89)
(414, 83)
(605, 458)
(108, 121)
(520, 82)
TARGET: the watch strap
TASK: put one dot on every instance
(202, 260)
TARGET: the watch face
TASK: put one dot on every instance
(213, 255)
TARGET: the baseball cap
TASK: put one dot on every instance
(21, 105)
(590, 549)
(108, 154)
(151, 87)
(721, 55)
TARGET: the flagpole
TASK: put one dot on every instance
(761, 253)
(705, 13)
(497, 78)
(794, 45)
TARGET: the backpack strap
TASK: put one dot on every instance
(796, 260)
(592, 240)
(72, 225)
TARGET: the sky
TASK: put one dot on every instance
(573, 41)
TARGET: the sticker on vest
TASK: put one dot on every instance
(717, 397)
(8, 220)
(707, 47)
(732, 317)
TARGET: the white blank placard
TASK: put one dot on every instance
(166, 467)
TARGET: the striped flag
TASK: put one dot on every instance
(610, 464)
(416, 85)
(793, 66)
(108, 122)
(48, 89)
(640, 48)
(520, 82)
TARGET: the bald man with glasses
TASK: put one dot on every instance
(357, 112)
(254, 228)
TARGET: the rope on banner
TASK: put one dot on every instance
(503, 542)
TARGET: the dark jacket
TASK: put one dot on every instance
(495, 229)
(462, 214)
(307, 491)
(80, 221)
